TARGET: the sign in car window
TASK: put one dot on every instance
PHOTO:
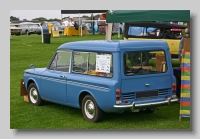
(103, 63)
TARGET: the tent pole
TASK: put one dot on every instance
(109, 31)
(80, 26)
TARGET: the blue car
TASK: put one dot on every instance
(55, 24)
(97, 77)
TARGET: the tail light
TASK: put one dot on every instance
(118, 96)
(174, 88)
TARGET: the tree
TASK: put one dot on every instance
(39, 19)
(97, 16)
(54, 19)
(12, 18)
(85, 16)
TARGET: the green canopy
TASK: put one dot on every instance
(117, 16)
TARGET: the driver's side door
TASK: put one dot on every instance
(54, 79)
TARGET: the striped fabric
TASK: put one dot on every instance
(185, 85)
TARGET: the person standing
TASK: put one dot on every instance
(65, 23)
(92, 18)
(71, 23)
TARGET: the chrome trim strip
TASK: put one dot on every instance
(174, 100)
(125, 106)
(45, 78)
(154, 103)
(64, 81)
(133, 105)
(52, 79)
(87, 85)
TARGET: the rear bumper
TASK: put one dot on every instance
(136, 106)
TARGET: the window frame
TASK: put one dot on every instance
(149, 51)
(56, 56)
(87, 60)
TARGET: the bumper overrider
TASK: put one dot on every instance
(134, 106)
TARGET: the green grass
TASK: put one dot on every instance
(26, 50)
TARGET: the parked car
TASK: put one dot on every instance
(15, 30)
(97, 77)
(147, 30)
(55, 24)
(28, 28)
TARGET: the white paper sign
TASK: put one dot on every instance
(103, 63)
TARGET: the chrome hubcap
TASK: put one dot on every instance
(89, 109)
(33, 95)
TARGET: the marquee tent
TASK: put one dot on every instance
(116, 16)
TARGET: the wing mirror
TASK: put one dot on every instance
(32, 66)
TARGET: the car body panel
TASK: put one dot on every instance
(55, 24)
(68, 88)
(29, 28)
(15, 30)
(173, 44)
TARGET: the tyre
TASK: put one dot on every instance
(34, 96)
(135, 59)
(90, 110)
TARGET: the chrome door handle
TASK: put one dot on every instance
(147, 84)
(62, 76)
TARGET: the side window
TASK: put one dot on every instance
(144, 62)
(61, 61)
(91, 63)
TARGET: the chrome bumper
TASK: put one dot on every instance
(134, 106)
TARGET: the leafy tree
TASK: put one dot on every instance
(54, 19)
(39, 19)
(85, 16)
(12, 18)
(65, 17)
(97, 16)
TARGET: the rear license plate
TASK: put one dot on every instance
(146, 94)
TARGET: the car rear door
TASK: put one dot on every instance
(146, 83)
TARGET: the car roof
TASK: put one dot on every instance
(114, 45)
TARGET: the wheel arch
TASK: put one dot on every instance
(32, 81)
(82, 95)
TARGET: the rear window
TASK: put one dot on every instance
(144, 62)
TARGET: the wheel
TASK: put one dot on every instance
(34, 96)
(90, 109)
(135, 59)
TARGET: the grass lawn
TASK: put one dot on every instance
(26, 50)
